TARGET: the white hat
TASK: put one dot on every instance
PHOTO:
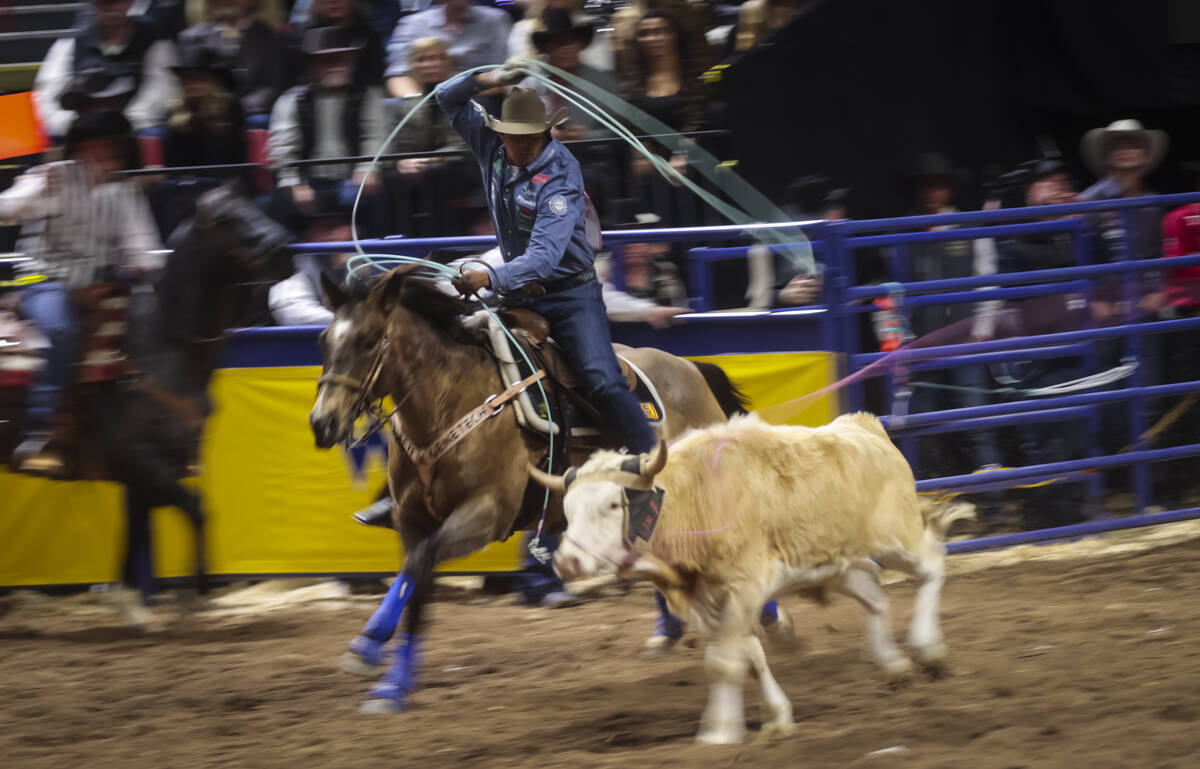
(1093, 149)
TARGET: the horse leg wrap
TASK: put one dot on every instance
(401, 678)
(668, 625)
(770, 613)
(383, 622)
(367, 649)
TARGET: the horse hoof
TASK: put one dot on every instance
(933, 660)
(658, 646)
(775, 729)
(713, 737)
(381, 707)
(899, 673)
(357, 665)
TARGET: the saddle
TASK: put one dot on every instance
(569, 408)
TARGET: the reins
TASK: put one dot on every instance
(424, 459)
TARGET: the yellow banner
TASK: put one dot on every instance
(277, 504)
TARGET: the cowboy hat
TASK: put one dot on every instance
(92, 85)
(323, 40)
(933, 164)
(559, 21)
(524, 113)
(198, 57)
(1093, 146)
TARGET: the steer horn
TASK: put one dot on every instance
(652, 466)
(559, 483)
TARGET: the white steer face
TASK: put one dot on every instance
(594, 542)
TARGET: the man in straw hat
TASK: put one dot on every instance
(1123, 154)
(548, 234)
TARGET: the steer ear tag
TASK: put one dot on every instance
(644, 509)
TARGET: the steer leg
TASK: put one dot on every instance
(925, 633)
(776, 707)
(724, 719)
(861, 582)
(726, 661)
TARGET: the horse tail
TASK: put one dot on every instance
(732, 400)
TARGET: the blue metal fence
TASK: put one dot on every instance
(848, 301)
(842, 304)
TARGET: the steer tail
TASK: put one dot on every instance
(732, 400)
(939, 515)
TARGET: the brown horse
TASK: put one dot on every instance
(402, 337)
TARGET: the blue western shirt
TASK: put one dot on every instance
(542, 216)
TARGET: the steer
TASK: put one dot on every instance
(746, 511)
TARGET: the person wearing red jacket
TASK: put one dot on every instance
(1181, 237)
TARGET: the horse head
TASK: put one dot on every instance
(256, 245)
(400, 316)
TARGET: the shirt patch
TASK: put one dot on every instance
(540, 179)
(558, 205)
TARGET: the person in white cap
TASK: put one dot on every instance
(1123, 154)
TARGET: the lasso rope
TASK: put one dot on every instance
(1099, 379)
(795, 247)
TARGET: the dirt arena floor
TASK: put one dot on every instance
(1085, 656)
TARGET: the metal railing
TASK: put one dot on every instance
(847, 302)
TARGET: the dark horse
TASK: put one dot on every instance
(405, 339)
(144, 431)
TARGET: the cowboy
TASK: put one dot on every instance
(1181, 237)
(1123, 154)
(548, 234)
(121, 46)
(80, 226)
(1045, 182)
(561, 38)
(332, 116)
(934, 179)
(246, 46)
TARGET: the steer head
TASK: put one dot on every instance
(609, 502)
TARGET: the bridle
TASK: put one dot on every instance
(363, 389)
(424, 459)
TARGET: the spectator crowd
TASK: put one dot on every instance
(309, 91)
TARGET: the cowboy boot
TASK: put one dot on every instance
(378, 513)
(33, 456)
(668, 629)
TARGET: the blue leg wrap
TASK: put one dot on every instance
(770, 613)
(381, 626)
(383, 622)
(668, 624)
(401, 678)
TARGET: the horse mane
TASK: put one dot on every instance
(421, 296)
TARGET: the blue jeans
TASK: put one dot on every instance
(536, 579)
(579, 325)
(48, 306)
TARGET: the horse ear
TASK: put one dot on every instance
(335, 295)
